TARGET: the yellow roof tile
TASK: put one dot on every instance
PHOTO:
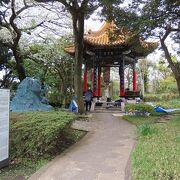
(109, 34)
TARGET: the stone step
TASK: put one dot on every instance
(106, 111)
(108, 108)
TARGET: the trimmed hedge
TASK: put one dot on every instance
(35, 134)
(141, 108)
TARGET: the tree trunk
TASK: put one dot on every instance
(19, 63)
(78, 28)
(173, 67)
(145, 83)
(178, 84)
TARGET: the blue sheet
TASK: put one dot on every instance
(162, 110)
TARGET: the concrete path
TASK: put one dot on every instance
(103, 154)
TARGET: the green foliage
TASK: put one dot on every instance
(140, 107)
(36, 134)
(160, 97)
(145, 129)
(168, 85)
(54, 66)
(154, 18)
(56, 98)
(35, 138)
(146, 16)
(173, 103)
(115, 89)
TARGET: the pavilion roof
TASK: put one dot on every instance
(109, 36)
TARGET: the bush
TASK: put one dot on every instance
(35, 134)
(55, 99)
(173, 103)
(139, 108)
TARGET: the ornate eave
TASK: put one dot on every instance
(108, 35)
(110, 39)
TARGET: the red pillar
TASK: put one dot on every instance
(85, 79)
(134, 80)
(91, 77)
(99, 81)
(95, 81)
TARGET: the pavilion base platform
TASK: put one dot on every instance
(106, 106)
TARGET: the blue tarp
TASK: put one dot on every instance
(162, 110)
(73, 107)
(30, 97)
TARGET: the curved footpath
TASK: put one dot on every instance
(103, 154)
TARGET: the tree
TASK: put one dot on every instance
(79, 10)
(163, 68)
(15, 32)
(18, 21)
(158, 18)
(6, 66)
(52, 65)
(144, 66)
(4, 55)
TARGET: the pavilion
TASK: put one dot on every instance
(111, 46)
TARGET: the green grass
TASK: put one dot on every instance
(157, 154)
(174, 103)
(138, 120)
(24, 168)
(37, 137)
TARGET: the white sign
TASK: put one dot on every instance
(4, 124)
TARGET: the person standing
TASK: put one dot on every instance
(88, 99)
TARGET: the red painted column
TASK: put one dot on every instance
(91, 77)
(95, 81)
(99, 82)
(85, 79)
(134, 80)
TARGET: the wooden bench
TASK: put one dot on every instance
(132, 94)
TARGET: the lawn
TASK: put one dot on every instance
(36, 138)
(157, 153)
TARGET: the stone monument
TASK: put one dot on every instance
(30, 96)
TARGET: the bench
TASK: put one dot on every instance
(132, 94)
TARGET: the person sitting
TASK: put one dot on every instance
(88, 99)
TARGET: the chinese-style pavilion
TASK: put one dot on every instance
(112, 46)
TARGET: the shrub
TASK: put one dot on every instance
(34, 134)
(173, 103)
(55, 99)
(139, 108)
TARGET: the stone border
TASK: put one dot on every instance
(4, 163)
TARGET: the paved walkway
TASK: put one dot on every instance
(103, 154)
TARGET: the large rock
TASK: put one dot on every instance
(30, 97)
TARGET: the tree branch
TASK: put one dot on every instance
(33, 27)
(14, 26)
